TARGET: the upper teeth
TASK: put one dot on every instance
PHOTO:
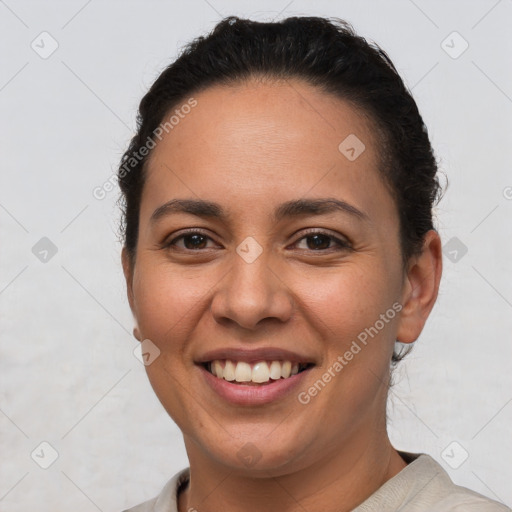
(261, 371)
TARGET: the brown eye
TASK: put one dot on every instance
(318, 241)
(191, 241)
(194, 241)
(321, 241)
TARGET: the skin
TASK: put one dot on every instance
(249, 148)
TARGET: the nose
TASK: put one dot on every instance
(251, 294)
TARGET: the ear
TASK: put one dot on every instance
(128, 275)
(421, 286)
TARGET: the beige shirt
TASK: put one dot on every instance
(422, 486)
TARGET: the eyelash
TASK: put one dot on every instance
(342, 245)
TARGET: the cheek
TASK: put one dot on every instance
(167, 309)
(344, 309)
(167, 304)
(344, 302)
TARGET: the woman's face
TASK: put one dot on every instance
(269, 274)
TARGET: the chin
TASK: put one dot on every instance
(259, 454)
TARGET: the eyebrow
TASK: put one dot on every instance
(294, 208)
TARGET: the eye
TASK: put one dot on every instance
(317, 241)
(192, 240)
(322, 241)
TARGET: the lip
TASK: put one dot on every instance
(252, 395)
(254, 355)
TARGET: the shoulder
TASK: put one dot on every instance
(470, 502)
(424, 486)
(166, 501)
(449, 497)
(440, 493)
(455, 498)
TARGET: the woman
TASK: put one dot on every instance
(278, 241)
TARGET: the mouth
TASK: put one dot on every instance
(254, 376)
(259, 373)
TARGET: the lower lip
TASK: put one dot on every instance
(241, 394)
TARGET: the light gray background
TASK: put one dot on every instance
(68, 374)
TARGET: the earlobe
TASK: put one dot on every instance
(421, 287)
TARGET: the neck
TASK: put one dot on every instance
(337, 483)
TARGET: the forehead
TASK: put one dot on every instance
(257, 113)
(277, 140)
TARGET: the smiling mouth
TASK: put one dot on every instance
(259, 373)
